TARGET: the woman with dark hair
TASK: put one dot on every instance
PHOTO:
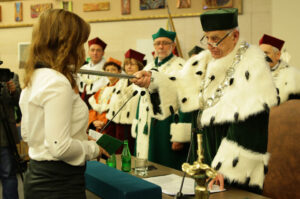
(124, 90)
(54, 117)
(101, 99)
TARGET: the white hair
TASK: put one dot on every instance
(275, 50)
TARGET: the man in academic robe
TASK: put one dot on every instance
(90, 84)
(153, 138)
(229, 89)
(286, 77)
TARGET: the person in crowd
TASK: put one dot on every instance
(153, 137)
(101, 99)
(54, 118)
(286, 77)
(9, 99)
(88, 85)
(195, 51)
(124, 91)
(229, 89)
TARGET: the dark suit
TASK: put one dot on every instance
(8, 102)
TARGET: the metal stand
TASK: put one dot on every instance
(200, 172)
(12, 144)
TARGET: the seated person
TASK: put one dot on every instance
(125, 91)
(100, 100)
(285, 76)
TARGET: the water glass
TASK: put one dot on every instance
(141, 167)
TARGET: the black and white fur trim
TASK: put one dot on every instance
(104, 97)
(167, 95)
(286, 79)
(121, 93)
(250, 91)
(146, 108)
(181, 132)
(240, 165)
(167, 92)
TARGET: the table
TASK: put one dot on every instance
(162, 170)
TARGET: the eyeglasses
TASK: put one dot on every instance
(164, 43)
(205, 42)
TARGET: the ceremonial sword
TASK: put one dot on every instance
(107, 74)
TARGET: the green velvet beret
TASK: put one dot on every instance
(221, 19)
(164, 33)
(195, 50)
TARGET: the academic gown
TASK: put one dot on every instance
(286, 79)
(229, 99)
(153, 138)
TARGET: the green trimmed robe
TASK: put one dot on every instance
(235, 126)
(153, 139)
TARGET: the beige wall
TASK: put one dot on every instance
(285, 25)
(122, 35)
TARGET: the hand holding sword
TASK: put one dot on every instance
(140, 78)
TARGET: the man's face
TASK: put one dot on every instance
(95, 52)
(270, 52)
(163, 47)
(227, 40)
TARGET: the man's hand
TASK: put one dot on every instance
(143, 78)
(219, 180)
(177, 146)
(11, 86)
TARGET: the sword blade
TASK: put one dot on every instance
(106, 74)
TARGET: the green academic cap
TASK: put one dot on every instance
(195, 50)
(221, 19)
(164, 33)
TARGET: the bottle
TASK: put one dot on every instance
(112, 161)
(126, 157)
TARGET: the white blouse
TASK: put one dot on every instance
(55, 119)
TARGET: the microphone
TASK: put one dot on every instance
(133, 94)
(179, 194)
(106, 125)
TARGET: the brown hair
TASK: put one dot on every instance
(130, 60)
(112, 63)
(57, 43)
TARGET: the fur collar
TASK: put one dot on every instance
(250, 90)
(286, 79)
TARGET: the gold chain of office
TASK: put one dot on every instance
(214, 99)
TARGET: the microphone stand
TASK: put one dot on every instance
(106, 125)
(21, 166)
(134, 94)
(180, 195)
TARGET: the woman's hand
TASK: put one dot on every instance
(102, 152)
(91, 138)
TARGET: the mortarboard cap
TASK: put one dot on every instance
(98, 41)
(221, 19)
(114, 61)
(135, 55)
(164, 33)
(273, 41)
